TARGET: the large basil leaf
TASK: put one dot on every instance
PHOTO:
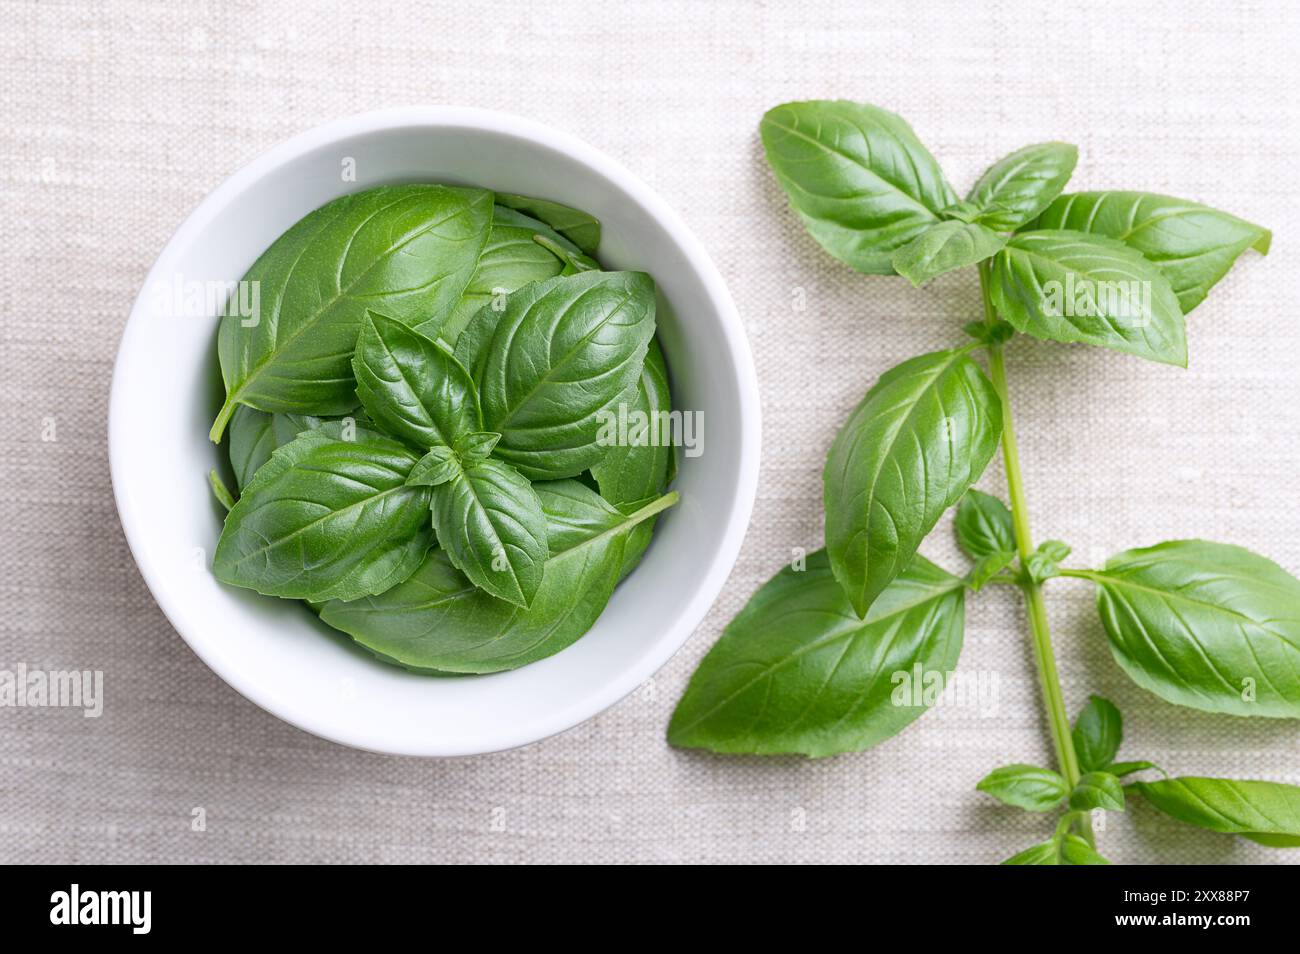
(858, 177)
(561, 355)
(1264, 812)
(413, 387)
(637, 469)
(1025, 786)
(1017, 187)
(491, 525)
(1205, 625)
(439, 620)
(1076, 287)
(575, 225)
(798, 671)
(327, 518)
(944, 247)
(984, 525)
(1097, 733)
(1192, 245)
(914, 445)
(408, 250)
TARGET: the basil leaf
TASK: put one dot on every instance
(254, 436)
(490, 523)
(921, 436)
(1205, 625)
(1075, 851)
(984, 525)
(1017, 187)
(797, 671)
(1097, 790)
(944, 247)
(409, 249)
(858, 177)
(327, 518)
(1120, 769)
(413, 387)
(637, 469)
(1044, 853)
(220, 491)
(555, 362)
(1076, 287)
(989, 567)
(436, 467)
(1192, 245)
(575, 225)
(1098, 731)
(476, 446)
(438, 620)
(1043, 562)
(1264, 812)
(1025, 786)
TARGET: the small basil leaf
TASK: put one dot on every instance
(921, 436)
(1205, 625)
(1043, 562)
(413, 387)
(797, 671)
(492, 527)
(988, 567)
(1025, 786)
(327, 518)
(1043, 853)
(858, 177)
(477, 445)
(220, 491)
(556, 362)
(438, 466)
(1097, 790)
(1019, 186)
(984, 525)
(1075, 851)
(439, 620)
(575, 225)
(989, 334)
(1077, 287)
(1192, 245)
(1264, 812)
(1097, 734)
(943, 247)
(1120, 769)
(409, 250)
(961, 211)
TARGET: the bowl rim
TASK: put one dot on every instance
(594, 700)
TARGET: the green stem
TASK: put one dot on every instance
(1049, 680)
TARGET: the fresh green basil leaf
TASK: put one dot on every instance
(636, 468)
(1043, 563)
(1075, 851)
(1097, 790)
(1120, 769)
(491, 524)
(999, 332)
(984, 525)
(797, 671)
(921, 436)
(1205, 625)
(439, 620)
(477, 445)
(1097, 734)
(575, 225)
(858, 177)
(409, 250)
(1043, 853)
(556, 362)
(988, 567)
(220, 491)
(1025, 786)
(327, 518)
(1017, 187)
(1264, 812)
(438, 466)
(1077, 287)
(1192, 245)
(961, 211)
(254, 436)
(411, 386)
(943, 247)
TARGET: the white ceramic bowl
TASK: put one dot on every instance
(166, 389)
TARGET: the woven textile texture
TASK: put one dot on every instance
(120, 116)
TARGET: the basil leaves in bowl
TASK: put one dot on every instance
(435, 432)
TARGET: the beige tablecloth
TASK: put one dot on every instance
(119, 117)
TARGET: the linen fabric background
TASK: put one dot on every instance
(119, 117)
